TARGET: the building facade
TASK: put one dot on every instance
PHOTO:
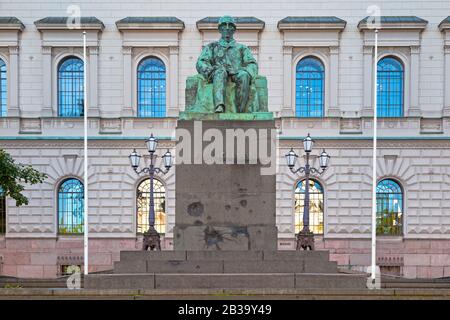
(318, 60)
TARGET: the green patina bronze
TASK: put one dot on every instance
(228, 86)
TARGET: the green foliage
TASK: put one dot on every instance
(13, 286)
(12, 175)
(386, 223)
(73, 229)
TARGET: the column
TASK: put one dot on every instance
(288, 109)
(446, 111)
(414, 108)
(333, 110)
(47, 109)
(92, 68)
(367, 110)
(172, 98)
(127, 110)
(13, 76)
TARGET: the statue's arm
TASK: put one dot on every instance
(249, 62)
(204, 65)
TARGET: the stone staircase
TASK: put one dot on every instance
(224, 270)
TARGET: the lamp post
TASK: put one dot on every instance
(151, 236)
(305, 238)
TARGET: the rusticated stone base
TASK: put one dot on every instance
(41, 258)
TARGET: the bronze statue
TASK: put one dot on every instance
(226, 59)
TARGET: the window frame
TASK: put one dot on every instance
(3, 213)
(59, 63)
(401, 231)
(138, 62)
(403, 87)
(323, 84)
(296, 186)
(4, 112)
(136, 211)
(57, 199)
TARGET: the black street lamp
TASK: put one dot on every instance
(151, 236)
(305, 238)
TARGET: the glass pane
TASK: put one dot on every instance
(143, 206)
(316, 208)
(71, 88)
(151, 91)
(309, 84)
(3, 86)
(71, 207)
(389, 208)
(2, 212)
(390, 88)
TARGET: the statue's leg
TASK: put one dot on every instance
(219, 83)
(242, 90)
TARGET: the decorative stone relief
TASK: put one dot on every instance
(350, 125)
(30, 125)
(113, 126)
(431, 125)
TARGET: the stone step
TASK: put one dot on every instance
(226, 266)
(225, 281)
(222, 255)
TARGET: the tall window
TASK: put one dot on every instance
(315, 206)
(143, 206)
(71, 207)
(390, 88)
(151, 88)
(389, 208)
(2, 212)
(3, 87)
(70, 88)
(309, 85)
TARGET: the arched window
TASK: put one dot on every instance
(390, 88)
(143, 206)
(2, 212)
(309, 88)
(3, 92)
(151, 88)
(316, 208)
(389, 208)
(71, 206)
(70, 87)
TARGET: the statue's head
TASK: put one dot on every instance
(227, 27)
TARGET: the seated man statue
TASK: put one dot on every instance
(232, 72)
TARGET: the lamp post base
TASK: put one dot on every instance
(151, 240)
(305, 240)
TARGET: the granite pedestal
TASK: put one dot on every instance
(228, 205)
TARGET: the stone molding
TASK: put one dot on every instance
(312, 38)
(144, 39)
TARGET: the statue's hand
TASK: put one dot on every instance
(242, 73)
(207, 72)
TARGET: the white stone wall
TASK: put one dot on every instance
(422, 165)
(110, 86)
(422, 168)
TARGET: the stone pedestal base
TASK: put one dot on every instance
(229, 205)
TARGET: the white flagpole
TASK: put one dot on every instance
(374, 161)
(86, 206)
